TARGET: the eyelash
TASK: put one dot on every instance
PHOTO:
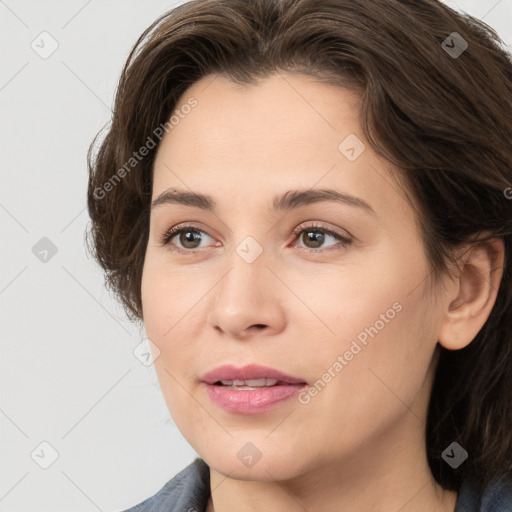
(176, 230)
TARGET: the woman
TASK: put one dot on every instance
(307, 204)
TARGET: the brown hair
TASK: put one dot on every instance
(443, 119)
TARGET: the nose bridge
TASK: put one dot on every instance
(244, 297)
(247, 269)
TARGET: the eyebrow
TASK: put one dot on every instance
(287, 201)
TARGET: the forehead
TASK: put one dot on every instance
(285, 132)
(285, 108)
(259, 128)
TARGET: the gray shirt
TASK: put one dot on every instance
(189, 491)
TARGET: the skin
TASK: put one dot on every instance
(358, 445)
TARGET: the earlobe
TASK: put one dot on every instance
(472, 295)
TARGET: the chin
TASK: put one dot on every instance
(236, 463)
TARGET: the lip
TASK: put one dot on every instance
(251, 371)
(250, 401)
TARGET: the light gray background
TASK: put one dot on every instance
(68, 373)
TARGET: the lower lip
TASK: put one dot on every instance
(252, 401)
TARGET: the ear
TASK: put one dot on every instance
(471, 296)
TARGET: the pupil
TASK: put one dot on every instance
(185, 238)
(316, 237)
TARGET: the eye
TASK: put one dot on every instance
(315, 236)
(189, 238)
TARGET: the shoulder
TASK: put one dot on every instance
(188, 491)
(497, 497)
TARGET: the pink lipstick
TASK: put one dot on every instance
(250, 389)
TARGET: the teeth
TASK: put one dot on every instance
(250, 382)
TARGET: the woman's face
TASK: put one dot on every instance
(347, 313)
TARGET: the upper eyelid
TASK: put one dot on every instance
(178, 227)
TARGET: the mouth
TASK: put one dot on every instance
(251, 383)
(252, 375)
(251, 389)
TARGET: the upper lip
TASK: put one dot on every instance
(251, 371)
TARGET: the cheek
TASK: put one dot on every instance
(167, 295)
(376, 385)
(166, 302)
(174, 311)
(367, 291)
(380, 361)
(376, 318)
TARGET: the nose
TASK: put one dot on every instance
(247, 301)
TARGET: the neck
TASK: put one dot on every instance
(388, 481)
